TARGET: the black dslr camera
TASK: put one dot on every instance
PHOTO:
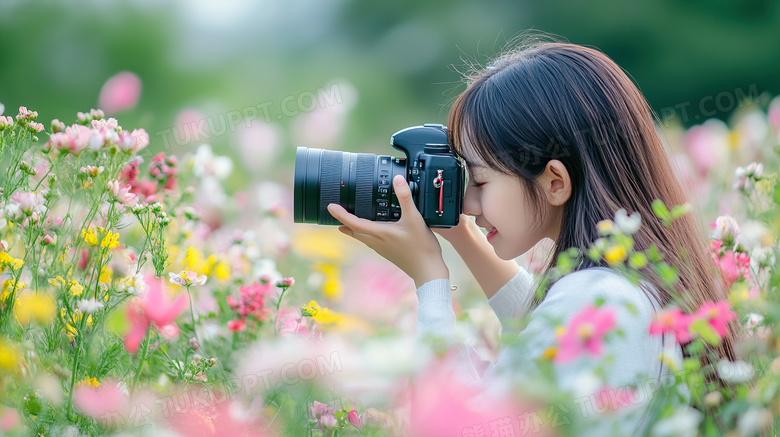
(363, 182)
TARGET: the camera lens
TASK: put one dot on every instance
(360, 182)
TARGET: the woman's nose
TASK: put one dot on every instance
(471, 202)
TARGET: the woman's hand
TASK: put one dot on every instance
(458, 234)
(408, 243)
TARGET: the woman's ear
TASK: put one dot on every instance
(556, 182)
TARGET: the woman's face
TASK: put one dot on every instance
(501, 205)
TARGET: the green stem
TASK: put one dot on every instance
(192, 315)
(276, 315)
(144, 347)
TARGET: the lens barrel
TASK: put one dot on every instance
(360, 182)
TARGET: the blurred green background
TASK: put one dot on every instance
(394, 64)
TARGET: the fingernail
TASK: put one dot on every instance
(399, 180)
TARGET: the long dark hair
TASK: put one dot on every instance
(554, 100)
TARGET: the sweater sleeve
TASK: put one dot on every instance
(512, 301)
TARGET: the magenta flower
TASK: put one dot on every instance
(354, 419)
(120, 92)
(672, 320)
(717, 315)
(585, 333)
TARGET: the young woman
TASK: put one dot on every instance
(556, 138)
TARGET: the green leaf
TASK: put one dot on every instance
(565, 263)
(660, 210)
(631, 308)
(117, 322)
(680, 210)
(599, 301)
(637, 260)
(703, 329)
(654, 255)
(667, 273)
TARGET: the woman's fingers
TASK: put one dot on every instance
(355, 226)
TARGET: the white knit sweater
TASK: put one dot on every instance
(634, 355)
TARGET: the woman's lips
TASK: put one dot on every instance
(492, 233)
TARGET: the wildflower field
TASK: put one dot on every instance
(129, 307)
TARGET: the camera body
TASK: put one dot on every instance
(362, 182)
(436, 177)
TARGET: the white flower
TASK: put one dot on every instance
(725, 227)
(754, 320)
(187, 278)
(753, 421)
(205, 164)
(2, 108)
(89, 306)
(735, 372)
(682, 423)
(762, 256)
(627, 225)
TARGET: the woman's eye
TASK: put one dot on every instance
(477, 184)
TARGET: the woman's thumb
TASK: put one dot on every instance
(403, 193)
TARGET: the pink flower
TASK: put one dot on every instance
(29, 203)
(157, 306)
(734, 266)
(672, 320)
(122, 195)
(323, 414)
(138, 326)
(105, 399)
(585, 333)
(614, 398)
(120, 92)
(154, 306)
(441, 404)
(9, 419)
(132, 142)
(236, 325)
(354, 419)
(73, 140)
(717, 315)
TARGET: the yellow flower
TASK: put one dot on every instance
(89, 236)
(106, 275)
(10, 357)
(331, 286)
(739, 293)
(7, 260)
(88, 382)
(73, 286)
(8, 288)
(604, 226)
(549, 353)
(194, 260)
(73, 321)
(111, 240)
(324, 315)
(34, 306)
(615, 255)
(321, 244)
